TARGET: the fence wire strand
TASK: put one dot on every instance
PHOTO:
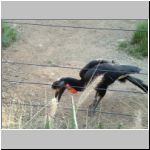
(50, 84)
(74, 27)
(59, 66)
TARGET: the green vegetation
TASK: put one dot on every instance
(100, 126)
(120, 126)
(123, 44)
(9, 35)
(73, 123)
(47, 123)
(138, 44)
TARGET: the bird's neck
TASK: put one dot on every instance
(75, 83)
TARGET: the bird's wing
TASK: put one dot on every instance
(113, 71)
(91, 65)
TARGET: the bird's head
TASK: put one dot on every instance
(60, 85)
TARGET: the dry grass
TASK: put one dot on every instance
(54, 116)
(63, 119)
(89, 89)
(52, 107)
(138, 120)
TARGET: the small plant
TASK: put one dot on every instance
(73, 122)
(49, 124)
(100, 126)
(49, 62)
(51, 113)
(120, 126)
(9, 35)
(138, 44)
(140, 36)
(123, 44)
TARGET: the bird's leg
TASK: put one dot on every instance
(100, 93)
(94, 105)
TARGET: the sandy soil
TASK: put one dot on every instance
(69, 47)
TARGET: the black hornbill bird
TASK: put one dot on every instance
(110, 72)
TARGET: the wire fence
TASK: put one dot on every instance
(50, 84)
(74, 27)
(67, 67)
(67, 108)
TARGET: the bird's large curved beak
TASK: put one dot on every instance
(59, 93)
(59, 87)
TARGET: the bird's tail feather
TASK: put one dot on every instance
(138, 83)
(128, 69)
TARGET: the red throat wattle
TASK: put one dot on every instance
(71, 89)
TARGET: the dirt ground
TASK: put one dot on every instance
(74, 48)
